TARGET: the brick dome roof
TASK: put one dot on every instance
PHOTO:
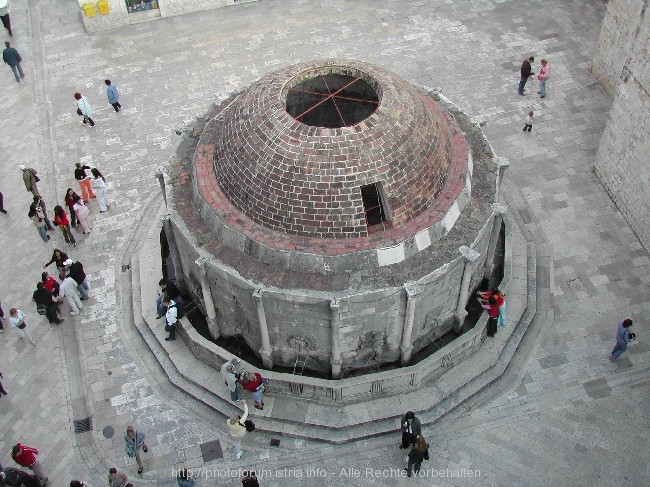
(331, 149)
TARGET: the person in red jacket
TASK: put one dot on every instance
(25, 456)
(253, 382)
(61, 219)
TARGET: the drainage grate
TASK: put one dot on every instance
(126, 267)
(275, 442)
(83, 425)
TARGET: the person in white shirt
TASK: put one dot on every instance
(17, 321)
(229, 374)
(68, 290)
(171, 317)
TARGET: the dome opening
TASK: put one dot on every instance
(331, 100)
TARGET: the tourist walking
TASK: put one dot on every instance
(69, 203)
(39, 203)
(77, 483)
(84, 109)
(542, 77)
(525, 72)
(83, 214)
(171, 317)
(237, 430)
(30, 179)
(418, 453)
(75, 270)
(99, 185)
(11, 57)
(2, 389)
(623, 337)
(2, 318)
(2, 204)
(184, 479)
(12, 477)
(47, 304)
(59, 258)
(168, 291)
(5, 6)
(25, 456)
(529, 122)
(411, 429)
(61, 219)
(37, 217)
(113, 95)
(17, 321)
(134, 443)
(84, 181)
(256, 385)
(117, 478)
(229, 374)
(68, 290)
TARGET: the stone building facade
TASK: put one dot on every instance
(110, 14)
(622, 63)
(271, 231)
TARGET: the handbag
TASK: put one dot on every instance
(249, 425)
(41, 309)
(22, 326)
(168, 327)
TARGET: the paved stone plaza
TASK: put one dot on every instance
(562, 415)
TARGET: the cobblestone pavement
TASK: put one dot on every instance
(570, 417)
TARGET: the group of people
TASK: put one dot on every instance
(252, 382)
(25, 456)
(91, 187)
(526, 71)
(85, 110)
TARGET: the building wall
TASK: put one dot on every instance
(624, 150)
(119, 15)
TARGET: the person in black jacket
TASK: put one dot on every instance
(168, 292)
(525, 73)
(12, 477)
(76, 271)
(411, 429)
(43, 297)
(418, 453)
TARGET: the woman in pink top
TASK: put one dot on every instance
(543, 75)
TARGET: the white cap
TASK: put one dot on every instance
(68, 262)
(21, 167)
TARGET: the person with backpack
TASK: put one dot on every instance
(13, 477)
(417, 454)
(47, 304)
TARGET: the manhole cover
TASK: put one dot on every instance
(109, 431)
(211, 451)
(275, 442)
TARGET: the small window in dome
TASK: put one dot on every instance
(375, 207)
